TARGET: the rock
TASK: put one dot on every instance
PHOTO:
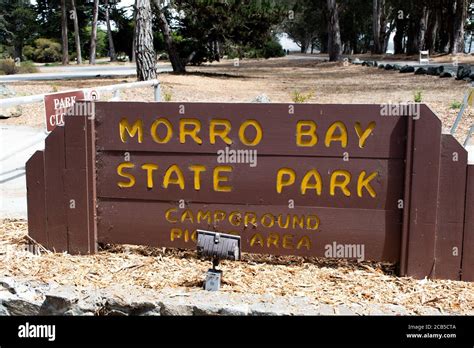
(171, 308)
(435, 70)
(268, 309)
(344, 310)
(14, 111)
(471, 77)
(8, 284)
(429, 311)
(388, 67)
(206, 309)
(325, 309)
(375, 309)
(445, 74)
(357, 61)
(381, 66)
(22, 307)
(407, 69)
(397, 66)
(463, 72)
(262, 98)
(396, 309)
(59, 301)
(3, 311)
(240, 309)
(421, 71)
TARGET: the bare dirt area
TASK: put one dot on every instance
(278, 78)
(324, 281)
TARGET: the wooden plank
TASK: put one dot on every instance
(277, 122)
(424, 194)
(468, 240)
(75, 182)
(56, 222)
(91, 183)
(451, 197)
(253, 185)
(148, 223)
(35, 192)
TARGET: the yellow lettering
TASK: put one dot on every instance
(269, 223)
(304, 241)
(137, 128)
(168, 213)
(218, 179)
(201, 216)
(179, 180)
(187, 215)
(363, 135)
(280, 183)
(130, 177)
(256, 239)
(310, 132)
(221, 133)
(288, 241)
(317, 185)
(169, 131)
(341, 184)
(197, 169)
(273, 239)
(176, 233)
(330, 136)
(149, 173)
(193, 132)
(361, 183)
(258, 135)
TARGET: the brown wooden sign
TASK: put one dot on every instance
(56, 105)
(291, 179)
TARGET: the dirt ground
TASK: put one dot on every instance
(324, 281)
(278, 78)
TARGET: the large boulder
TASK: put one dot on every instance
(407, 69)
(464, 71)
(446, 74)
(381, 66)
(420, 71)
(13, 111)
(435, 70)
(388, 67)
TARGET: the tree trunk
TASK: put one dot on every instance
(334, 33)
(178, 66)
(112, 54)
(145, 53)
(64, 43)
(377, 8)
(432, 29)
(399, 35)
(460, 16)
(77, 38)
(423, 28)
(134, 41)
(95, 15)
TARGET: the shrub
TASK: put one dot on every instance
(7, 66)
(29, 52)
(27, 67)
(47, 51)
(455, 104)
(272, 48)
(298, 97)
(417, 97)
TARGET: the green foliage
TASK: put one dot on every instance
(27, 67)
(417, 96)
(299, 97)
(455, 104)
(167, 96)
(7, 66)
(45, 51)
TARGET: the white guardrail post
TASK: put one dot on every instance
(38, 98)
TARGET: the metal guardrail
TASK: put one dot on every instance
(115, 89)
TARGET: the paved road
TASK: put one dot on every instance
(18, 143)
(80, 72)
